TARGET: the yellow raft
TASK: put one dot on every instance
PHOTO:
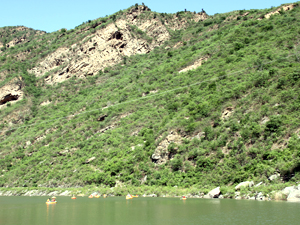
(50, 203)
(129, 197)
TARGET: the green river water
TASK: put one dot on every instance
(139, 211)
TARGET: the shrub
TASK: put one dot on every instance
(274, 124)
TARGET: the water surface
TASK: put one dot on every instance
(140, 211)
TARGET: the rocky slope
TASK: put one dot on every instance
(108, 46)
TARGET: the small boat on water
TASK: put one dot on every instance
(91, 196)
(183, 198)
(50, 203)
(97, 196)
(129, 196)
(73, 197)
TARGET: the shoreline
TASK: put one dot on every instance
(290, 194)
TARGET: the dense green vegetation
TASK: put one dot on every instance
(252, 68)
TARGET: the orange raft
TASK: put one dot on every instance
(73, 197)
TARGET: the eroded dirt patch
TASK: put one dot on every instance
(195, 65)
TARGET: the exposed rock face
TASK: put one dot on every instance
(11, 92)
(108, 46)
(244, 184)
(15, 41)
(227, 112)
(161, 153)
(284, 8)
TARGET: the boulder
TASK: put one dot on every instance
(260, 196)
(279, 196)
(213, 193)
(260, 183)
(274, 177)
(244, 184)
(90, 160)
(288, 190)
(294, 196)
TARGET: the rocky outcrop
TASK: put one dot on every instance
(129, 35)
(105, 48)
(227, 112)
(244, 185)
(15, 41)
(11, 92)
(161, 153)
(284, 8)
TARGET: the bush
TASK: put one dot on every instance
(274, 124)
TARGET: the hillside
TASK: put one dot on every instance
(141, 98)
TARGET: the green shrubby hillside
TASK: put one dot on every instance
(237, 113)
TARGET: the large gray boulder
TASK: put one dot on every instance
(291, 194)
(294, 194)
(244, 184)
(288, 190)
(213, 193)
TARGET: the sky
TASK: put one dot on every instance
(53, 15)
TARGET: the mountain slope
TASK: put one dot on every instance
(188, 100)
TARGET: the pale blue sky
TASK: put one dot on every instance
(55, 14)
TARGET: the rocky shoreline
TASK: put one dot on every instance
(291, 194)
(244, 190)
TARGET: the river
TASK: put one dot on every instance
(140, 211)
